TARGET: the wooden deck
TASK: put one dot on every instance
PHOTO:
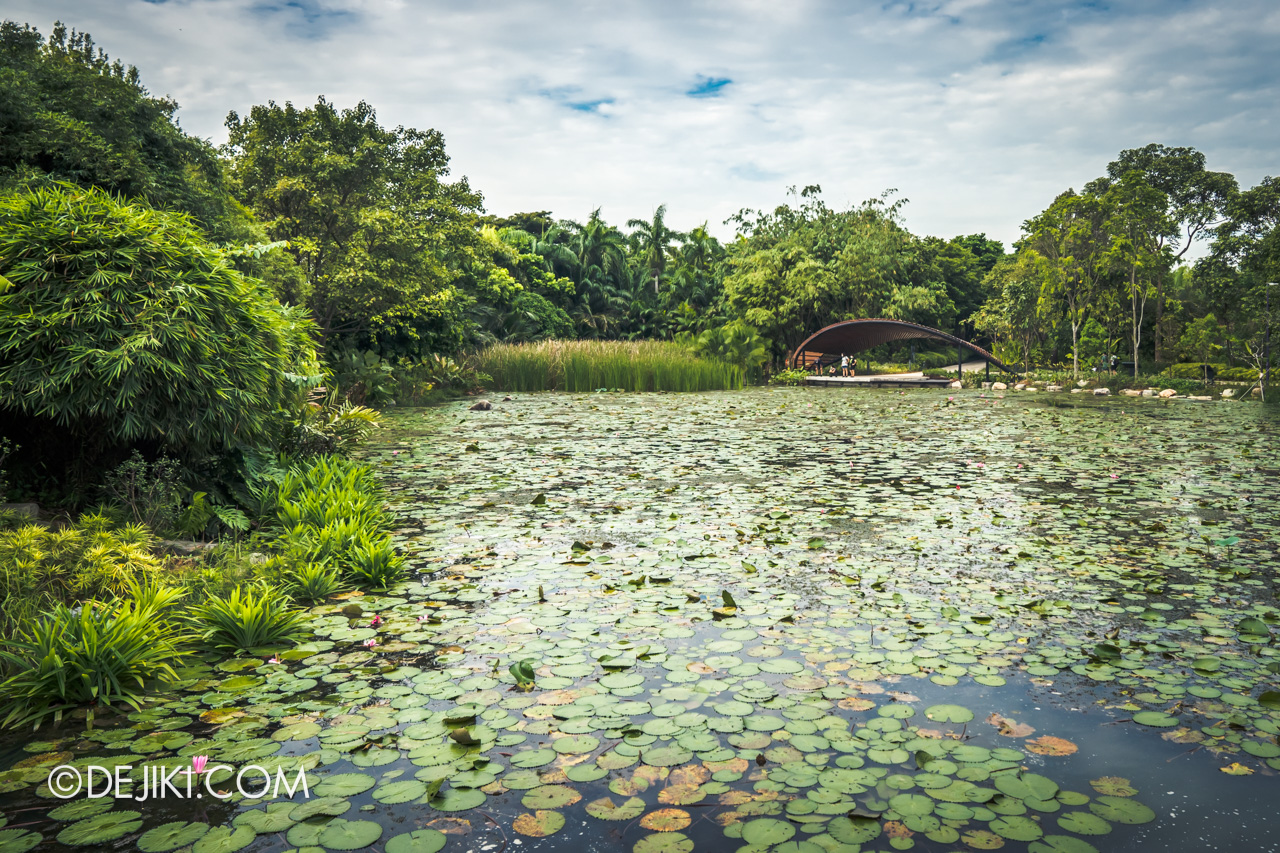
(877, 381)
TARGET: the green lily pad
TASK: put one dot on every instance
(18, 840)
(418, 841)
(1156, 719)
(948, 713)
(343, 785)
(767, 831)
(171, 836)
(1121, 810)
(457, 799)
(101, 828)
(341, 834)
(605, 808)
(224, 839)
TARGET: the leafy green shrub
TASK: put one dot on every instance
(204, 518)
(250, 617)
(374, 564)
(120, 324)
(328, 423)
(364, 377)
(149, 493)
(329, 511)
(1239, 374)
(94, 654)
(1193, 370)
(95, 558)
(312, 582)
(789, 377)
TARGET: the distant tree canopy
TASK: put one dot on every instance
(386, 252)
(382, 237)
(67, 113)
(801, 267)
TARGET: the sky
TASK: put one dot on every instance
(979, 112)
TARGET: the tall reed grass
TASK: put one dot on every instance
(591, 365)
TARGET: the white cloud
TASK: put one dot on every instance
(979, 111)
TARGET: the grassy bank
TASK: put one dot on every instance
(592, 365)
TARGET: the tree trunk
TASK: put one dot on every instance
(1159, 312)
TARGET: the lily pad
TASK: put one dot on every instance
(540, 824)
(171, 836)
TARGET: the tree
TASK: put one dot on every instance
(1139, 227)
(654, 239)
(1012, 316)
(1070, 235)
(1196, 199)
(380, 234)
(68, 113)
(120, 326)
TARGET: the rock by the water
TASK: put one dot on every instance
(1228, 392)
(1053, 387)
(1021, 386)
(1148, 392)
(999, 386)
(1131, 392)
(1077, 390)
(955, 385)
(30, 510)
(1082, 383)
(507, 399)
(1168, 392)
(1202, 398)
(1101, 392)
(183, 547)
(481, 406)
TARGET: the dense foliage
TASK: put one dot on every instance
(120, 325)
(68, 113)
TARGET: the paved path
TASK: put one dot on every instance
(969, 367)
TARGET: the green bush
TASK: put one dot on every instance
(328, 423)
(94, 558)
(1192, 370)
(312, 582)
(374, 564)
(250, 617)
(1239, 374)
(149, 492)
(329, 512)
(93, 655)
(789, 377)
(120, 324)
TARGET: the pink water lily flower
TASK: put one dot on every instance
(274, 660)
(370, 643)
(423, 618)
(375, 622)
(198, 763)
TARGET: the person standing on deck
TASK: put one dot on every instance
(844, 365)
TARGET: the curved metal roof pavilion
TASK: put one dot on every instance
(851, 336)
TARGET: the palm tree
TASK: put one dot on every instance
(653, 239)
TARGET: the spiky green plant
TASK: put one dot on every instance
(312, 582)
(249, 617)
(94, 655)
(374, 564)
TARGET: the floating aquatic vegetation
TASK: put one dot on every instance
(680, 623)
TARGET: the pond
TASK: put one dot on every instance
(772, 619)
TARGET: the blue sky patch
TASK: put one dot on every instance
(708, 87)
